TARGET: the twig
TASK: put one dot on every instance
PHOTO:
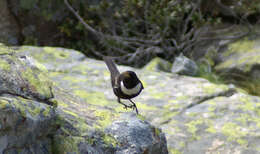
(89, 28)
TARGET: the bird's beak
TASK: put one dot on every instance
(142, 85)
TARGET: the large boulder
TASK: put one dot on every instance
(240, 64)
(197, 116)
(242, 56)
(43, 111)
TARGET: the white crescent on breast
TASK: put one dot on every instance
(131, 91)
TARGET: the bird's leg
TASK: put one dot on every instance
(133, 106)
(125, 106)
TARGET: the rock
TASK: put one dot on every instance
(21, 76)
(82, 121)
(158, 64)
(196, 116)
(184, 66)
(138, 135)
(240, 64)
(241, 56)
(25, 125)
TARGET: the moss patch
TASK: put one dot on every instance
(97, 98)
(192, 128)
(145, 107)
(233, 132)
(39, 83)
(240, 47)
(110, 140)
(66, 143)
(4, 65)
(104, 119)
(214, 88)
(56, 53)
(174, 151)
(158, 64)
(3, 103)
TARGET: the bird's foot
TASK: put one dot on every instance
(129, 106)
(133, 106)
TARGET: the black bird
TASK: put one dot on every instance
(125, 85)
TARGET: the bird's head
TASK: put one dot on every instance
(130, 79)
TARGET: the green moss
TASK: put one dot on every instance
(142, 118)
(71, 113)
(5, 49)
(63, 104)
(214, 88)
(145, 107)
(46, 112)
(210, 55)
(97, 98)
(157, 131)
(53, 102)
(182, 97)
(20, 106)
(104, 119)
(240, 46)
(26, 106)
(82, 126)
(4, 65)
(225, 64)
(206, 73)
(192, 128)
(244, 55)
(211, 129)
(56, 53)
(247, 104)
(110, 140)
(35, 112)
(3, 103)
(82, 68)
(68, 144)
(169, 115)
(173, 105)
(38, 81)
(233, 131)
(75, 80)
(159, 95)
(55, 74)
(40, 67)
(212, 108)
(106, 74)
(174, 151)
(242, 142)
(158, 64)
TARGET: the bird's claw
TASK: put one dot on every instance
(130, 106)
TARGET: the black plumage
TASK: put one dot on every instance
(125, 85)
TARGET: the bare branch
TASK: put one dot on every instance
(188, 19)
(89, 28)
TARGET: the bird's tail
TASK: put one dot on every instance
(111, 66)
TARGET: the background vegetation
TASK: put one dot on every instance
(133, 31)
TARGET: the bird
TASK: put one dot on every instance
(126, 85)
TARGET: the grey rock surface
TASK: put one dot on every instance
(184, 66)
(196, 116)
(37, 115)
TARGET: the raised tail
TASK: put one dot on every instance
(111, 66)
